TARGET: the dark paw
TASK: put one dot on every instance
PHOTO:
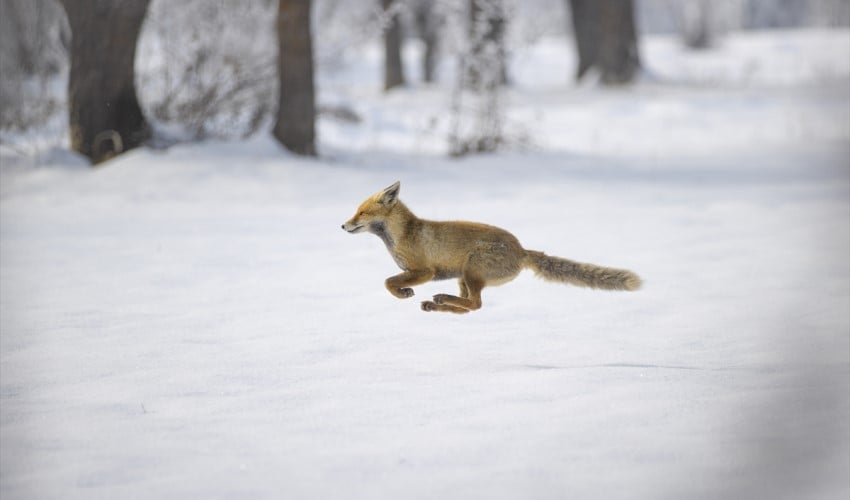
(441, 298)
(405, 293)
(427, 305)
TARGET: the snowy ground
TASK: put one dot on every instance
(194, 324)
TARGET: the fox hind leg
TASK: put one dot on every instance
(464, 291)
(498, 263)
(429, 306)
(462, 304)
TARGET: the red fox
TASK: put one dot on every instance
(477, 254)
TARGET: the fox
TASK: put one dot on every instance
(477, 255)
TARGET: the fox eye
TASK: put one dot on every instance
(360, 213)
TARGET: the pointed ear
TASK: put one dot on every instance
(390, 195)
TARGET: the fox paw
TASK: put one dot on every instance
(402, 293)
(441, 298)
(427, 305)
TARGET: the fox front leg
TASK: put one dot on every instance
(399, 285)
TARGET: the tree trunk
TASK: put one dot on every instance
(585, 33)
(393, 68)
(481, 81)
(296, 115)
(606, 39)
(104, 114)
(695, 20)
(618, 52)
(487, 44)
(427, 26)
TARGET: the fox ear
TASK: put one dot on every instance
(390, 195)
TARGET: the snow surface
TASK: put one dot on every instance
(193, 323)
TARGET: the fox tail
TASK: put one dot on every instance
(580, 274)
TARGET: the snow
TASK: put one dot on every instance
(193, 323)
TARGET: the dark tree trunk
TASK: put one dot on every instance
(486, 32)
(427, 26)
(695, 24)
(618, 52)
(104, 114)
(296, 115)
(606, 39)
(584, 31)
(393, 68)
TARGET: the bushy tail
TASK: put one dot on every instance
(578, 273)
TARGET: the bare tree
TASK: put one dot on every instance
(695, 19)
(104, 114)
(203, 74)
(477, 100)
(393, 68)
(296, 115)
(606, 39)
(33, 50)
(29, 32)
(427, 22)
(486, 33)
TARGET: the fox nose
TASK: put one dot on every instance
(342, 226)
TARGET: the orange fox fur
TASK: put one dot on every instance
(477, 254)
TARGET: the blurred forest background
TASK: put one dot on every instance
(104, 76)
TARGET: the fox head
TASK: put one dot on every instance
(373, 212)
